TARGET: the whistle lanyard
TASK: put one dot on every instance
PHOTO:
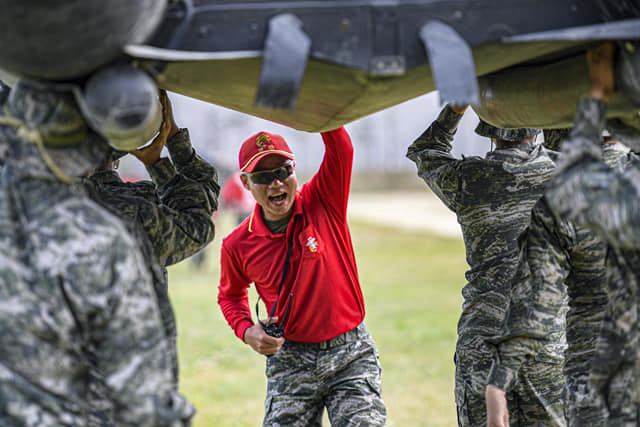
(277, 329)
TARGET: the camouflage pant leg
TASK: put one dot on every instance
(614, 374)
(583, 407)
(538, 399)
(293, 390)
(620, 396)
(471, 407)
(473, 363)
(302, 380)
(354, 392)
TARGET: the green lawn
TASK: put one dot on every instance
(411, 284)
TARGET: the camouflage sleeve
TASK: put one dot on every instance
(432, 154)
(535, 316)
(181, 224)
(588, 192)
(128, 341)
(192, 165)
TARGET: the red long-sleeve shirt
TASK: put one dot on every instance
(323, 278)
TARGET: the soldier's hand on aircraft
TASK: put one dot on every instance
(151, 153)
(497, 411)
(257, 338)
(459, 109)
(601, 70)
(167, 113)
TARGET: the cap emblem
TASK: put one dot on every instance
(263, 142)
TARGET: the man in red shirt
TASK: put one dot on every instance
(296, 248)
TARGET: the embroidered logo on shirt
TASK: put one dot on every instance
(312, 244)
(263, 142)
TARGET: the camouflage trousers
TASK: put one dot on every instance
(537, 399)
(614, 377)
(342, 375)
(586, 406)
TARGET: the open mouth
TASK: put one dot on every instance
(278, 198)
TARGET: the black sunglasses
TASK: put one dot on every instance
(267, 177)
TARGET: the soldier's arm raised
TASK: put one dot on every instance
(188, 189)
(585, 190)
(431, 153)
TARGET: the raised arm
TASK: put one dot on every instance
(332, 181)
(185, 158)
(431, 153)
(585, 190)
(179, 224)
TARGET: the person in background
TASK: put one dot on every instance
(235, 198)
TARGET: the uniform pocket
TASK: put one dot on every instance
(473, 366)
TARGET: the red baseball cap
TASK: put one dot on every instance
(260, 145)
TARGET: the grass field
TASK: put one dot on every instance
(411, 284)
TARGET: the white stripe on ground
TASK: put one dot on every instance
(410, 211)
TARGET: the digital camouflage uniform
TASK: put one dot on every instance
(590, 193)
(492, 198)
(534, 325)
(587, 286)
(299, 375)
(76, 295)
(174, 212)
(556, 253)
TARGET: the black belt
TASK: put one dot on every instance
(355, 334)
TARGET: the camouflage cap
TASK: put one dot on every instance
(52, 112)
(489, 131)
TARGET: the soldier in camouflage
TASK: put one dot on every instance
(555, 253)
(76, 295)
(492, 198)
(588, 292)
(174, 209)
(610, 205)
(589, 193)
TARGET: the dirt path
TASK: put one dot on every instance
(405, 210)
